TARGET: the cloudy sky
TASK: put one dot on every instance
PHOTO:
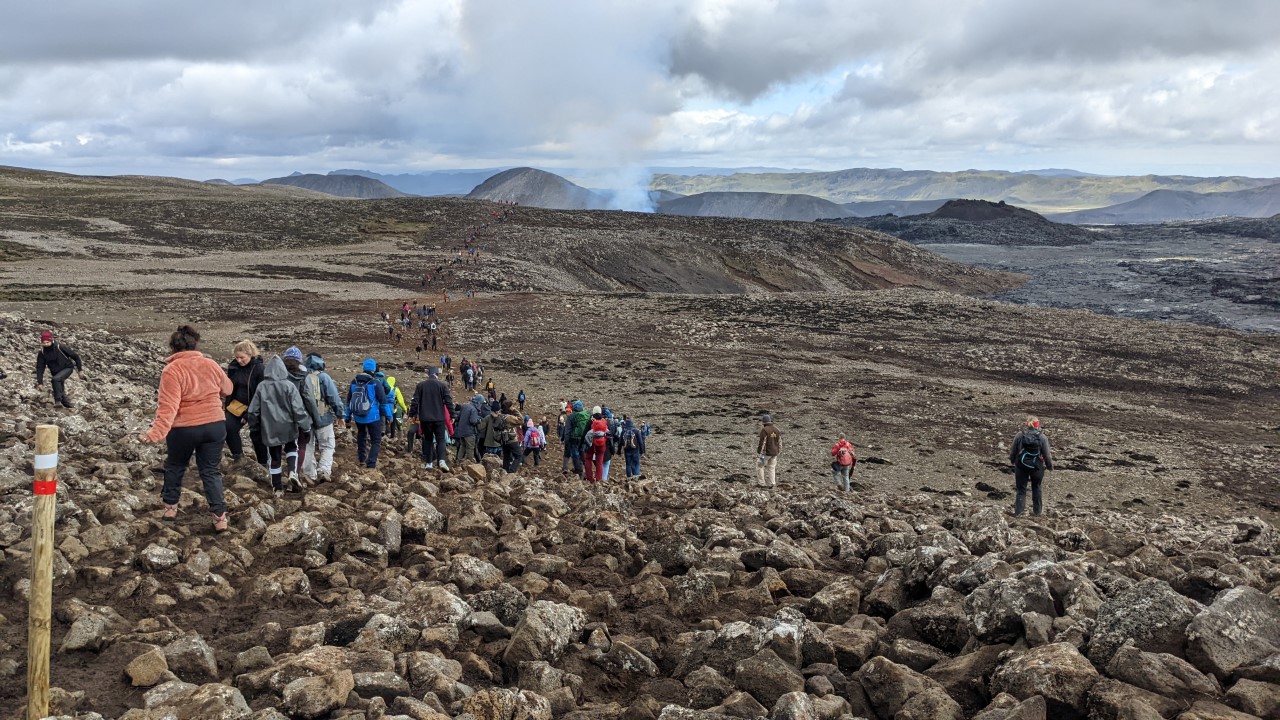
(256, 88)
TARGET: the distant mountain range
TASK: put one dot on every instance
(347, 186)
(1167, 205)
(1045, 194)
(433, 182)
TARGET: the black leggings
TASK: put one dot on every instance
(205, 442)
(236, 445)
(278, 455)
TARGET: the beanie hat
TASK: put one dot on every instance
(370, 365)
(608, 413)
(577, 406)
(46, 336)
(293, 353)
(433, 372)
(595, 410)
(766, 418)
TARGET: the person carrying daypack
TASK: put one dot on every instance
(520, 399)
(576, 427)
(844, 457)
(632, 447)
(534, 440)
(1031, 457)
(613, 441)
(768, 447)
(398, 409)
(298, 376)
(367, 406)
(597, 442)
(59, 360)
(317, 464)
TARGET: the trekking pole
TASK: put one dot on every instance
(40, 611)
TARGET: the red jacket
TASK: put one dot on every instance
(842, 444)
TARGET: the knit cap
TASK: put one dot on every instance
(293, 353)
(46, 336)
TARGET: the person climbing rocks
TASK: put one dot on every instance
(613, 444)
(511, 429)
(298, 376)
(768, 448)
(844, 457)
(190, 421)
(1031, 457)
(430, 400)
(465, 429)
(521, 398)
(399, 409)
(245, 371)
(491, 390)
(367, 405)
(317, 464)
(576, 428)
(60, 360)
(278, 413)
(534, 440)
(632, 447)
(597, 443)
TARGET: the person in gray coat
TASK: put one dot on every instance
(278, 414)
(465, 429)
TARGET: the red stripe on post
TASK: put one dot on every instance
(46, 487)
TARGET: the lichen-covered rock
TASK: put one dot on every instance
(544, 632)
(1241, 627)
(1151, 614)
(1057, 671)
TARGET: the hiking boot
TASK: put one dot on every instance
(324, 477)
(444, 466)
(65, 403)
(291, 483)
(428, 466)
(220, 523)
(170, 512)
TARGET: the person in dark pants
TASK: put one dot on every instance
(1031, 457)
(430, 399)
(367, 406)
(190, 420)
(245, 371)
(60, 361)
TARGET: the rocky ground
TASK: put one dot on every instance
(1151, 588)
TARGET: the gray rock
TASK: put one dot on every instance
(794, 706)
(1241, 627)
(544, 632)
(1007, 707)
(1151, 614)
(157, 558)
(677, 554)
(707, 687)
(767, 677)
(472, 574)
(148, 669)
(310, 698)
(996, 608)
(889, 686)
(1162, 674)
(88, 632)
(1058, 672)
(836, 602)
(1114, 699)
(191, 659)
(1258, 698)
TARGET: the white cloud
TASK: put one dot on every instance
(264, 88)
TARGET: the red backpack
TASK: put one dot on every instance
(600, 431)
(845, 456)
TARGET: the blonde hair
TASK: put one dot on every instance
(247, 347)
(1033, 421)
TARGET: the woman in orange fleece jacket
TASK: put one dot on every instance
(190, 420)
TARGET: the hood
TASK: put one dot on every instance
(628, 424)
(391, 382)
(477, 401)
(275, 369)
(577, 406)
(314, 362)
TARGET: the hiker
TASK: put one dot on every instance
(597, 441)
(512, 433)
(490, 434)
(60, 361)
(465, 430)
(575, 429)
(632, 447)
(490, 390)
(468, 376)
(190, 420)
(520, 398)
(298, 376)
(245, 371)
(534, 440)
(278, 413)
(1030, 456)
(367, 405)
(613, 446)
(398, 410)
(430, 400)
(844, 457)
(317, 464)
(768, 447)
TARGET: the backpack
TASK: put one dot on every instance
(536, 438)
(313, 381)
(1029, 457)
(506, 434)
(845, 457)
(578, 423)
(599, 437)
(360, 403)
(631, 439)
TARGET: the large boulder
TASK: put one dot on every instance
(309, 698)
(890, 686)
(1162, 674)
(544, 632)
(995, 609)
(1241, 627)
(767, 677)
(191, 659)
(836, 602)
(1057, 671)
(1151, 614)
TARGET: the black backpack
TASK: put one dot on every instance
(1029, 456)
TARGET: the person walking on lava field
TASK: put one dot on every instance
(278, 413)
(59, 360)
(430, 400)
(367, 406)
(317, 464)
(190, 421)
(1031, 456)
(298, 376)
(245, 371)
(844, 457)
(768, 448)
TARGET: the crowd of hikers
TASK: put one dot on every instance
(293, 409)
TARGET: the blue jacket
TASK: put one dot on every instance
(468, 418)
(381, 403)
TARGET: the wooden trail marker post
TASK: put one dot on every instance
(40, 616)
